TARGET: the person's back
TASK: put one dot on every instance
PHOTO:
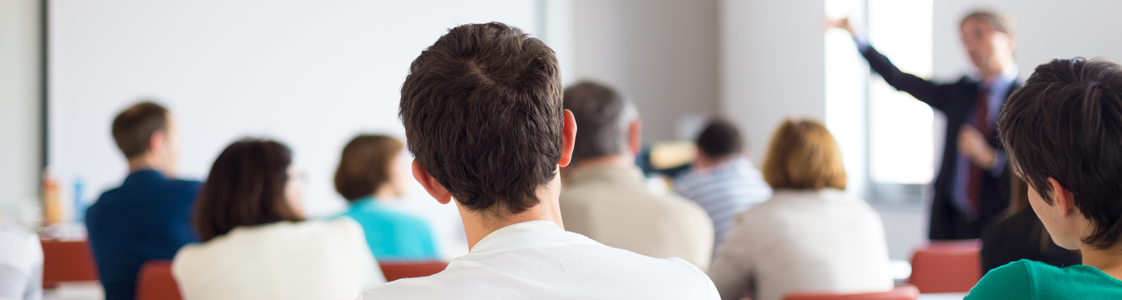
(286, 260)
(538, 260)
(483, 116)
(1063, 133)
(256, 242)
(369, 174)
(1020, 235)
(722, 180)
(605, 195)
(810, 236)
(149, 216)
(21, 264)
(611, 205)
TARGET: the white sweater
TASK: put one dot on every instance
(279, 261)
(803, 241)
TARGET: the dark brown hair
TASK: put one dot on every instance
(719, 139)
(482, 114)
(998, 21)
(365, 165)
(1066, 123)
(601, 113)
(804, 155)
(245, 187)
(134, 127)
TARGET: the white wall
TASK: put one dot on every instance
(772, 65)
(1045, 30)
(662, 54)
(19, 109)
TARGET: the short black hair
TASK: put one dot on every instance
(1066, 123)
(600, 112)
(134, 127)
(720, 138)
(483, 115)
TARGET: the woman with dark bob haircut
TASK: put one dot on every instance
(256, 242)
(371, 174)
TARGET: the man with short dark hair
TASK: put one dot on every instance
(149, 216)
(483, 116)
(722, 180)
(606, 196)
(1063, 132)
(972, 186)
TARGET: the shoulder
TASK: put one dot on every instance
(189, 187)
(1011, 281)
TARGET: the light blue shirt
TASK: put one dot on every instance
(393, 235)
(723, 191)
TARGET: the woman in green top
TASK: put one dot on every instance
(370, 174)
(1063, 133)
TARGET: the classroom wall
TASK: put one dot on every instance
(19, 108)
(662, 54)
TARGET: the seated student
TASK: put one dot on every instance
(810, 236)
(483, 118)
(1020, 235)
(21, 264)
(1063, 134)
(149, 216)
(605, 196)
(721, 179)
(369, 174)
(257, 244)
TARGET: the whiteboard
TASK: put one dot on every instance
(311, 74)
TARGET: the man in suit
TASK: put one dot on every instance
(973, 182)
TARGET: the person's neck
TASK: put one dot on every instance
(992, 75)
(385, 195)
(477, 225)
(1108, 261)
(142, 163)
(611, 160)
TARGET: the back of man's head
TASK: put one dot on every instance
(134, 127)
(1066, 124)
(483, 116)
(720, 139)
(604, 118)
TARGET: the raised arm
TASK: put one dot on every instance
(925, 90)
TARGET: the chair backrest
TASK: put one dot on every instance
(155, 282)
(67, 261)
(905, 292)
(947, 267)
(399, 270)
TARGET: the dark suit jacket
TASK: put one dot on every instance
(956, 100)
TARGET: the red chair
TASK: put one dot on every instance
(67, 261)
(399, 270)
(905, 292)
(155, 282)
(947, 267)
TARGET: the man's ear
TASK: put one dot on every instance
(634, 136)
(568, 138)
(158, 142)
(1062, 198)
(435, 189)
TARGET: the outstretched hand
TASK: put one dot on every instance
(842, 23)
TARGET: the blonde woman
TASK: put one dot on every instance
(810, 236)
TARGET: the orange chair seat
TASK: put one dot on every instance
(947, 267)
(398, 270)
(906, 292)
(156, 282)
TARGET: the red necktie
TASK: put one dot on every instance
(981, 118)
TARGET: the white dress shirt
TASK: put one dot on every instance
(21, 264)
(279, 261)
(804, 241)
(539, 260)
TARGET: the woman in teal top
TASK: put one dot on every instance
(1063, 134)
(370, 173)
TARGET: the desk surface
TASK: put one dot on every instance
(946, 296)
(78, 290)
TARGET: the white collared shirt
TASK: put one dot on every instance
(539, 260)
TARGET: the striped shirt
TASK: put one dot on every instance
(723, 191)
